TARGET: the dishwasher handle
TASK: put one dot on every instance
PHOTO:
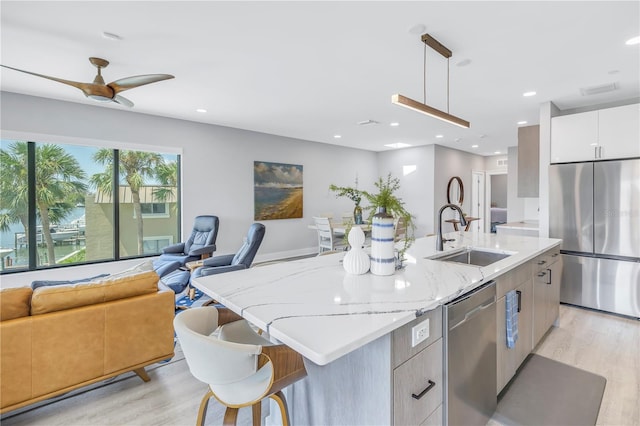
(475, 311)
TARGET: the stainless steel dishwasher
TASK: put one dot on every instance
(470, 357)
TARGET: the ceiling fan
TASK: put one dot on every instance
(98, 90)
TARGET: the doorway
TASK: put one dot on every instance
(495, 199)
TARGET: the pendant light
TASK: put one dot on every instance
(422, 107)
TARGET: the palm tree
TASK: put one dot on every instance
(167, 174)
(59, 180)
(135, 168)
(13, 187)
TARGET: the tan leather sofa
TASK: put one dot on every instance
(56, 339)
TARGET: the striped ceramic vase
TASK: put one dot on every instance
(382, 254)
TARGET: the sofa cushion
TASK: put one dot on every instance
(48, 283)
(14, 302)
(58, 298)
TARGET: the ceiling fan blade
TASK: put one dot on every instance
(137, 81)
(122, 101)
(82, 86)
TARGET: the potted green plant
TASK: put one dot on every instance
(354, 195)
(383, 200)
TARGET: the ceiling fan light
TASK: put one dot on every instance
(99, 98)
(428, 110)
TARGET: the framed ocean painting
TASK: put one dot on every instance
(277, 189)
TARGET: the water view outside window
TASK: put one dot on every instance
(74, 206)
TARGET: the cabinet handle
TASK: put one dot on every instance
(519, 293)
(421, 394)
(595, 153)
(549, 282)
(555, 254)
(542, 262)
(542, 274)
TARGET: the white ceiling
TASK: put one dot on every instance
(310, 70)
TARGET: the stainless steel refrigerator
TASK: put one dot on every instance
(594, 207)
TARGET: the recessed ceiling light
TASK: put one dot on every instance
(632, 41)
(337, 136)
(439, 136)
(111, 36)
(397, 145)
(394, 124)
(201, 110)
(527, 94)
(474, 146)
(522, 122)
(497, 152)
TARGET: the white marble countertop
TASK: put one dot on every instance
(533, 226)
(316, 308)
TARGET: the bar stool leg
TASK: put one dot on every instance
(282, 403)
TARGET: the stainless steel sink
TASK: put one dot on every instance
(472, 256)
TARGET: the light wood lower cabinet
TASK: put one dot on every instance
(417, 387)
(509, 359)
(435, 419)
(418, 373)
(546, 292)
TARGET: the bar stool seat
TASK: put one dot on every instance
(240, 366)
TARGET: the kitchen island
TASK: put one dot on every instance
(352, 328)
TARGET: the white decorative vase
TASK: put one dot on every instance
(356, 261)
(383, 261)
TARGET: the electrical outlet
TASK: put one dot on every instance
(420, 332)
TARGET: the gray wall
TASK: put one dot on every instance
(217, 164)
(217, 171)
(448, 163)
(417, 187)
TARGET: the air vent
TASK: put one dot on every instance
(367, 122)
(595, 90)
(502, 162)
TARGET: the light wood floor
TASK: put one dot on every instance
(604, 344)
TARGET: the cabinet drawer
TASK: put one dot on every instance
(435, 419)
(420, 376)
(401, 338)
(512, 279)
(545, 259)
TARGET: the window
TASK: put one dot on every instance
(154, 245)
(79, 203)
(151, 210)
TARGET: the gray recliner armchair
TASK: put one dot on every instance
(200, 244)
(234, 262)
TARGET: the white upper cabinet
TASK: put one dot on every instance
(596, 135)
(619, 131)
(574, 137)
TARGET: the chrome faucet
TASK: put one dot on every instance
(463, 222)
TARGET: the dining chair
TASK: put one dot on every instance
(400, 228)
(326, 238)
(240, 366)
